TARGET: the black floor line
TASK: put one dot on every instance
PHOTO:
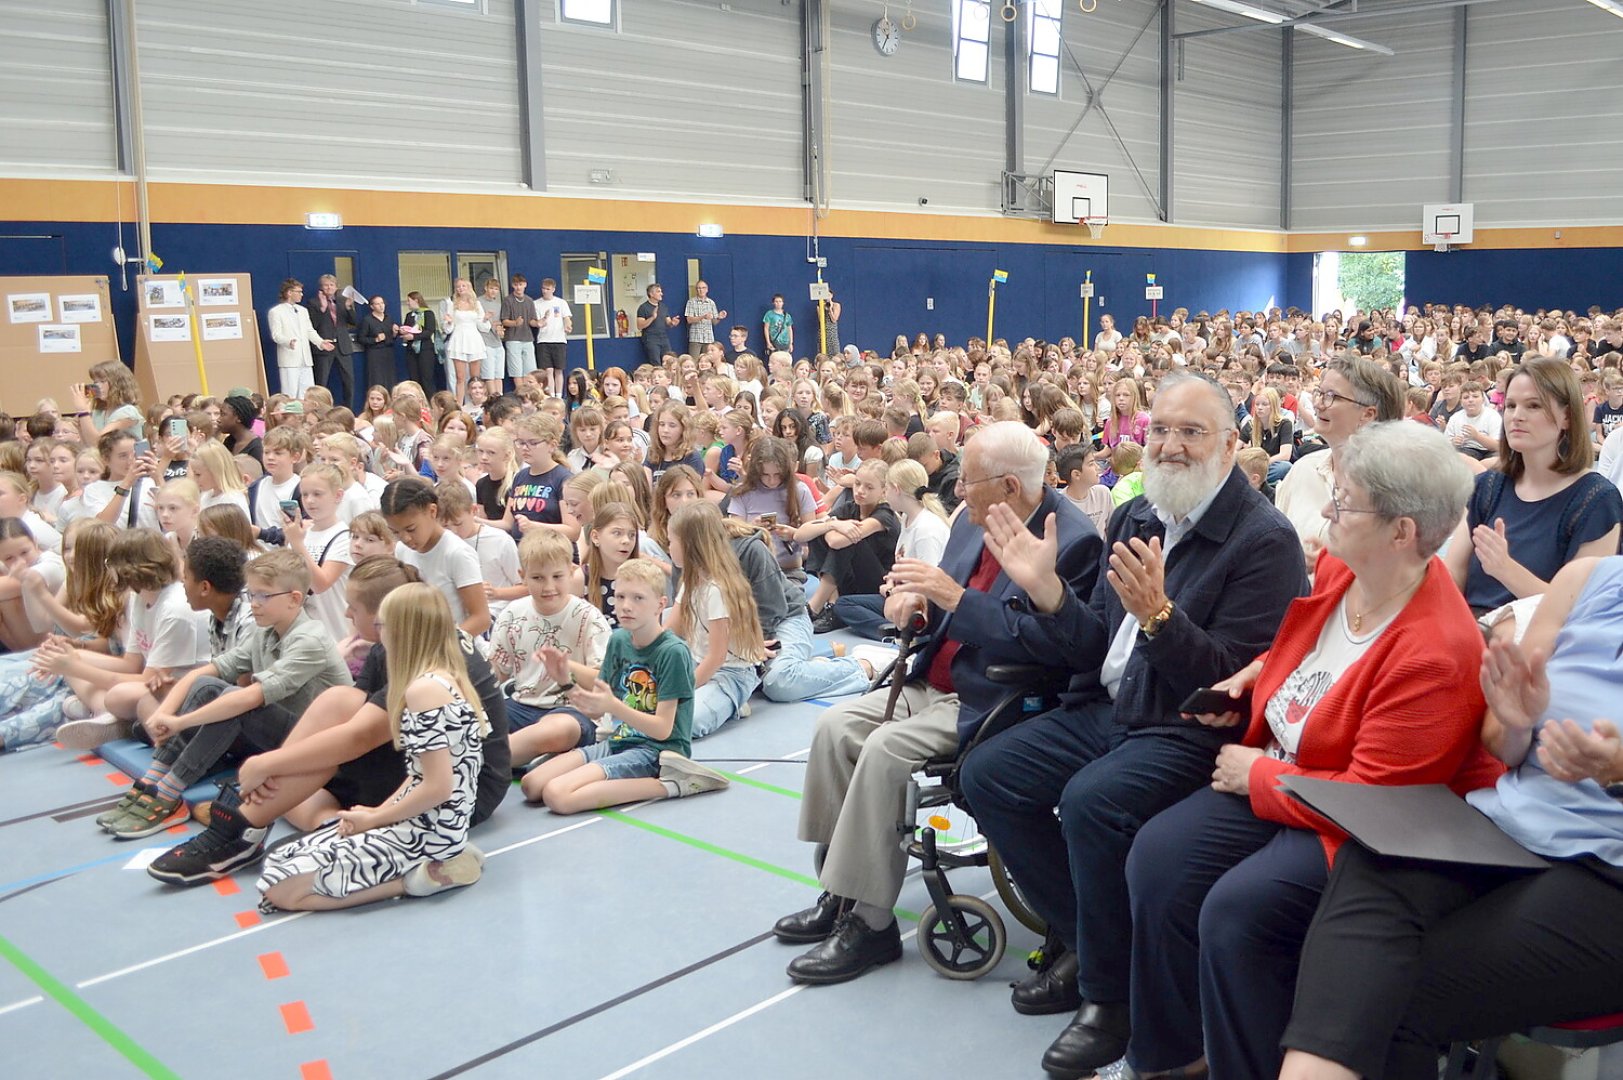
(602, 1007)
(86, 811)
(26, 889)
(100, 800)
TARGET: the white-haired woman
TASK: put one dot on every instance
(1370, 680)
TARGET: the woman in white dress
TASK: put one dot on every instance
(465, 345)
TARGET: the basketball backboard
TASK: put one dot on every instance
(1079, 195)
(1447, 223)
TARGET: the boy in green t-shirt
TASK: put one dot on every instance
(646, 684)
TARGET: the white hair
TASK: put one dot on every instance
(1010, 447)
(1409, 471)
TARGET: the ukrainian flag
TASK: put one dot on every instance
(1000, 276)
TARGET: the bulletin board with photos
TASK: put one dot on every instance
(53, 330)
(221, 313)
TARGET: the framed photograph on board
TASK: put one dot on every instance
(29, 307)
(216, 292)
(222, 326)
(170, 328)
(80, 308)
(59, 338)
(164, 294)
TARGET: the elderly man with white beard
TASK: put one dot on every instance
(1199, 572)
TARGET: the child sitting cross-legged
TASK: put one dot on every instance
(646, 687)
(207, 716)
(541, 719)
(409, 843)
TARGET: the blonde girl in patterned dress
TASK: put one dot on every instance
(415, 843)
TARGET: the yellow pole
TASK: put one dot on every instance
(991, 305)
(591, 360)
(822, 323)
(1087, 311)
(197, 337)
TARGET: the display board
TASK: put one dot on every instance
(52, 330)
(220, 310)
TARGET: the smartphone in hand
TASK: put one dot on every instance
(1216, 702)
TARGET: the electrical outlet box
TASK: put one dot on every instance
(929, 303)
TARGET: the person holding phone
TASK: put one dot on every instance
(1371, 680)
(109, 401)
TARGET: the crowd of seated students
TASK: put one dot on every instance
(377, 619)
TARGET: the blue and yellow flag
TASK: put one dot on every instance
(1000, 276)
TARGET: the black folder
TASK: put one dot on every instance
(1422, 821)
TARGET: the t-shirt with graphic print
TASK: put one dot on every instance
(537, 496)
(579, 630)
(1289, 710)
(642, 678)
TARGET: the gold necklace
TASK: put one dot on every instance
(1358, 616)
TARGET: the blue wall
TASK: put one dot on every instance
(1568, 278)
(884, 285)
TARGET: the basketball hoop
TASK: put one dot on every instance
(1443, 241)
(1096, 226)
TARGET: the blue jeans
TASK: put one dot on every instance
(1106, 783)
(719, 700)
(636, 762)
(794, 675)
(864, 615)
(1277, 471)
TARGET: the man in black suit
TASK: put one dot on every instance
(333, 318)
(1200, 571)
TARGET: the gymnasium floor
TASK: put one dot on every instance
(627, 943)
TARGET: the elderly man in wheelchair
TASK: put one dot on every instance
(864, 752)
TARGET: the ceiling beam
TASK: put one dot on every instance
(1410, 7)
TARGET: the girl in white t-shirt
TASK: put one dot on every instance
(442, 560)
(48, 491)
(15, 492)
(924, 519)
(361, 488)
(22, 626)
(496, 548)
(323, 541)
(219, 481)
(715, 613)
(177, 505)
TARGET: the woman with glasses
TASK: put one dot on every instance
(1370, 680)
(1352, 393)
(1540, 507)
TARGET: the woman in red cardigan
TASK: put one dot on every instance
(1371, 679)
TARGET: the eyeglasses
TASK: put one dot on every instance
(525, 444)
(1337, 509)
(1327, 398)
(962, 484)
(1186, 433)
(267, 597)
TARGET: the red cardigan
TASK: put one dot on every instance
(1408, 712)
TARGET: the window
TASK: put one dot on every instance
(592, 12)
(971, 33)
(573, 273)
(1043, 40)
(426, 272)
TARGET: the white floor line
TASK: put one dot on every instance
(155, 961)
(722, 1025)
(537, 839)
(754, 768)
(797, 753)
(15, 1005)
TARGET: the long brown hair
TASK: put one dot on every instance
(707, 558)
(606, 515)
(660, 525)
(1558, 388)
(90, 590)
(771, 450)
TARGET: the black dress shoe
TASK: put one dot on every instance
(812, 925)
(1095, 1037)
(849, 951)
(1050, 989)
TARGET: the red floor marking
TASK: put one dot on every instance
(315, 1070)
(273, 965)
(176, 830)
(118, 778)
(245, 919)
(297, 1018)
(226, 887)
(88, 759)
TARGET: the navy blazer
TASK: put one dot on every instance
(337, 327)
(999, 626)
(1230, 580)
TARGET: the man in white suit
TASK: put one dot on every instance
(291, 330)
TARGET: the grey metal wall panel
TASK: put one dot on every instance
(1227, 126)
(1099, 42)
(1544, 90)
(900, 128)
(687, 99)
(375, 92)
(56, 98)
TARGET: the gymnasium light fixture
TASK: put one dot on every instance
(323, 221)
(1609, 5)
(1357, 241)
(710, 230)
(1275, 18)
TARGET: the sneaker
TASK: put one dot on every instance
(879, 656)
(74, 709)
(689, 776)
(463, 868)
(212, 854)
(151, 813)
(826, 622)
(105, 821)
(91, 733)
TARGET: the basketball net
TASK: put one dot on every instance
(1443, 240)
(1096, 226)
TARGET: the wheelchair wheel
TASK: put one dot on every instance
(972, 957)
(1009, 893)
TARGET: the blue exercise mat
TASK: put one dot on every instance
(132, 757)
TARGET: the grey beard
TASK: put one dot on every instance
(1177, 490)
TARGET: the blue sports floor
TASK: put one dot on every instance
(626, 943)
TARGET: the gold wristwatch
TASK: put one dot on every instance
(1156, 622)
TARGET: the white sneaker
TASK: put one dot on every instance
(463, 868)
(689, 776)
(74, 709)
(89, 734)
(877, 655)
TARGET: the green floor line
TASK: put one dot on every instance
(750, 781)
(95, 1021)
(728, 853)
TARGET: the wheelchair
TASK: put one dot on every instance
(960, 935)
